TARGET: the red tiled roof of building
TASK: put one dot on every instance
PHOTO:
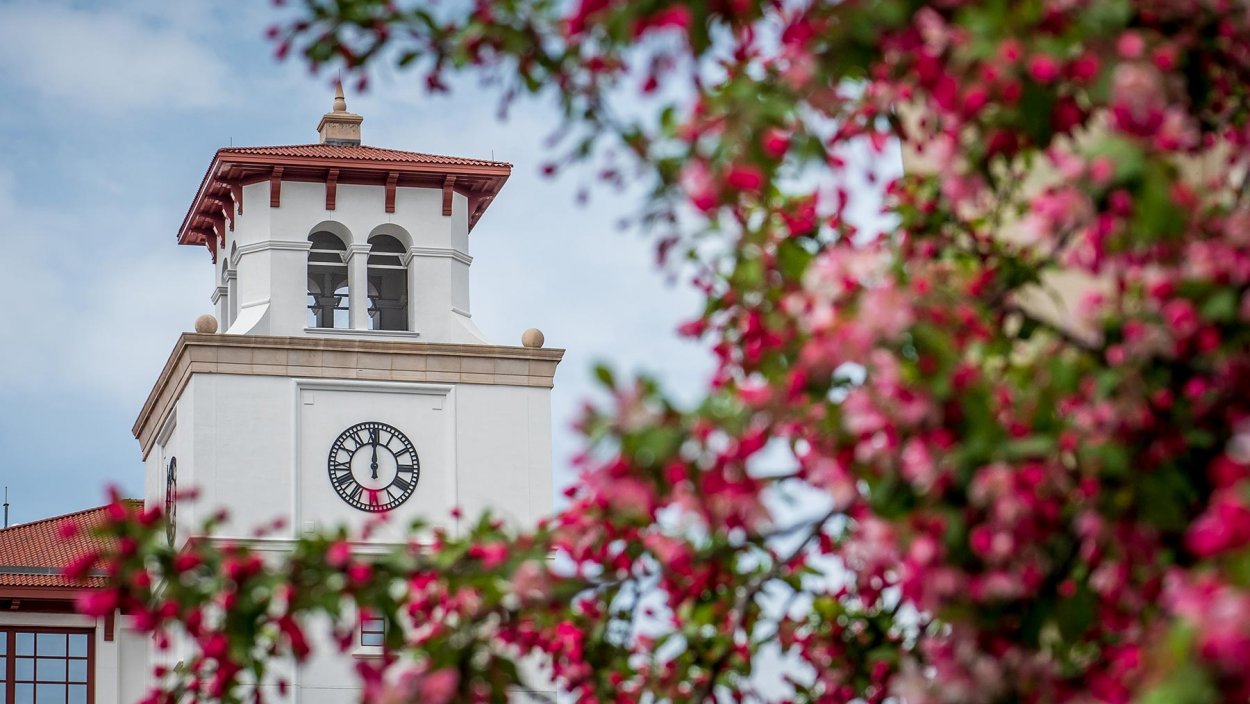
(219, 198)
(362, 153)
(32, 554)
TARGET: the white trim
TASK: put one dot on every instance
(300, 385)
(445, 252)
(218, 293)
(269, 544)
(275, 244)
(348, 332)
(297, 520)
(232, 273)
(167, 428)
(460, 311)
(393, 387)
(354, 249)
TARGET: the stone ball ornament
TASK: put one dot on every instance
(533, 338)
(206, 324)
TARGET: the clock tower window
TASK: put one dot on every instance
(328, 299)
(388, 284)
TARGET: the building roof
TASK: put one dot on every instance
(362, 153)
(33, 554)
(220, 198)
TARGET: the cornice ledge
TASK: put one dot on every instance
(274, 244)
(446, 252)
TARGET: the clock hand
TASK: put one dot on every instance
(374, 463)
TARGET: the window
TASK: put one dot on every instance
(46, 666)
(327, 282)
(388, 284)
(372, 632)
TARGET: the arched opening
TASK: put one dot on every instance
(388, 284)
(327, 282)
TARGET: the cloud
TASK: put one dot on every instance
(93, 312)
(106, 61)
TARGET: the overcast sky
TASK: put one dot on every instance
(109, 118)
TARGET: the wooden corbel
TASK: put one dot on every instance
(110, 624)
(391, 179)
(275, 187)
(332, 188)
(448, 189)
(225, 208)
(236, 195)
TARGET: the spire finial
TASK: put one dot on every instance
(340, 126)
(340, 103)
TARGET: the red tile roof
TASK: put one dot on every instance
(219, 197)
(32, 554)
(362, 153)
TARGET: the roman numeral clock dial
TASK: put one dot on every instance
(374, 467)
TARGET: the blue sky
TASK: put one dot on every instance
(110, 115)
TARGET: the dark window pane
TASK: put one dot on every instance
(49, 694)
(51, 644)
(78, 645)
(78, 694)
(26, 669)
(50, 670)
(77, 670)
(372, 632)
(26, 694)
(25, 643)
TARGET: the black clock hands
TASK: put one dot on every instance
(388, 482)
(373, 462)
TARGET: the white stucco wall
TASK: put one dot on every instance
(259, 446)
(271, 257)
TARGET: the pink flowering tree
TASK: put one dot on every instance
(1017, 414)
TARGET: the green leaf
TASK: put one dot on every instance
(604, 375)
(792, 259)
(1036, 105)
(1075, 614)
(1221, 307)
(1187, 684)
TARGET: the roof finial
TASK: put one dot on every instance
(340, 103)
(340, 126)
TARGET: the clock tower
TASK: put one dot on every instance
(346, 377)
(342, 376)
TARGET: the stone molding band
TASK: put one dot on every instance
(327, 358)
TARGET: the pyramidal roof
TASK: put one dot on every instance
(362, 153)
(338, 158)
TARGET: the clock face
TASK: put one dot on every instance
(171, 505)
(374, 467)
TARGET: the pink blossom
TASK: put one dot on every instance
(339, 553)
(1137, 99)
(775, 143)
(745, 178)
(697, 182)
(1044, 68)
(97, 602)
(1224, 526)
(1181, 317)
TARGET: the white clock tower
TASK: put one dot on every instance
(347, 378)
